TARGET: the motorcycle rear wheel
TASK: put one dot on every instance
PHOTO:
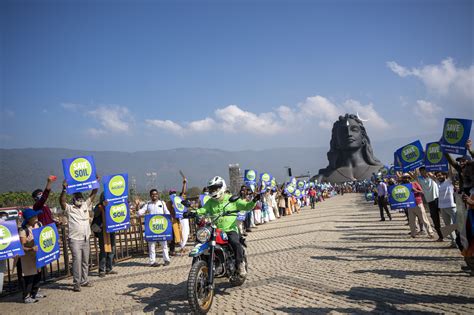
(199, 296)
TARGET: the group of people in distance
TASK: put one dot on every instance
(449, 197)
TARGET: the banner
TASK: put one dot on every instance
(391, 171)
(47, 241)
(298, 193)
(300, 185)
(273, 182)
(290, 189)
(455, 134)
(10, 245)
(384, 170)
(401, 196)
(250, 179)
(80, 174)
(266, 178)
(178, 207)
(158, 227)
(411, 156)
(435, 160)
(117, 211)
(203, 199)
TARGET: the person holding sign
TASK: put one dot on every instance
(106, 240)
(155, 206)
(418, 211)
(78, 214)
(40, 197)
(31, 274)
(431, 193)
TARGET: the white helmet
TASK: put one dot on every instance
(217, 187)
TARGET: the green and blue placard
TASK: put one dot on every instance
(455, 135)
(290, 189)
(401, 196)
(10, 245)
(47, 240)
(435, 160)
(250, 178)
(266, 178)
(203, 199)
(117, 211)
(178, 207)
(411, 156)
(158, 227)
(80, 174)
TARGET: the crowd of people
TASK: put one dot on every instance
(85, 217)
(448, 197)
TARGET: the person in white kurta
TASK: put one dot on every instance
(155, 206)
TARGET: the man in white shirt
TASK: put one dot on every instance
(78, 214)
(446, 203)
(155, 206)
(431, 193)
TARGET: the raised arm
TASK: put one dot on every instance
(183, 189)
(40, 202)
(94, 192)
(62, 197)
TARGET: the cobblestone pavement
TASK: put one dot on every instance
(337, 258)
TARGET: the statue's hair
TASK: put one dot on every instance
(334, 153)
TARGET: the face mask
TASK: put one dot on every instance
(38, 197)
(78, 202)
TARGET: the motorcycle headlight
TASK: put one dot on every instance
(203, 235)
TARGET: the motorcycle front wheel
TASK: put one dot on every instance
(199, 295)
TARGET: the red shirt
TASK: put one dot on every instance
(418, 195)
(46, 217)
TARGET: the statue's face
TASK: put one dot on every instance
(349, 135)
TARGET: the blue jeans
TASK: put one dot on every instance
(106, 259)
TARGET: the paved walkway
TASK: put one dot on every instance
(337, 258)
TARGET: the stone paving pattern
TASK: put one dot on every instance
(337, 258)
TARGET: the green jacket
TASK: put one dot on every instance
(227, 223)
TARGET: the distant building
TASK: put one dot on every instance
(236, 179)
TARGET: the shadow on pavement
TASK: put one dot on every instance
(389, 257)
(403, 274)
(384, 300)
(165, 298)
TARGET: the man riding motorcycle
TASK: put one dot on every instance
(215, 206)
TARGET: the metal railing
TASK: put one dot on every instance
(128, 243)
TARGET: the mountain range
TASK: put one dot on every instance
(27, 169)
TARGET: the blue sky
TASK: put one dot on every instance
(147, 75)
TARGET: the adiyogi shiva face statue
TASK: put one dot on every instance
(350, 156)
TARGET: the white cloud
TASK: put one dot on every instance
(367, 112)
(314, 111)
(234, 119)
(167, 125)
(112, 118)
(202, 125)
(427, 112)
(442, 79)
